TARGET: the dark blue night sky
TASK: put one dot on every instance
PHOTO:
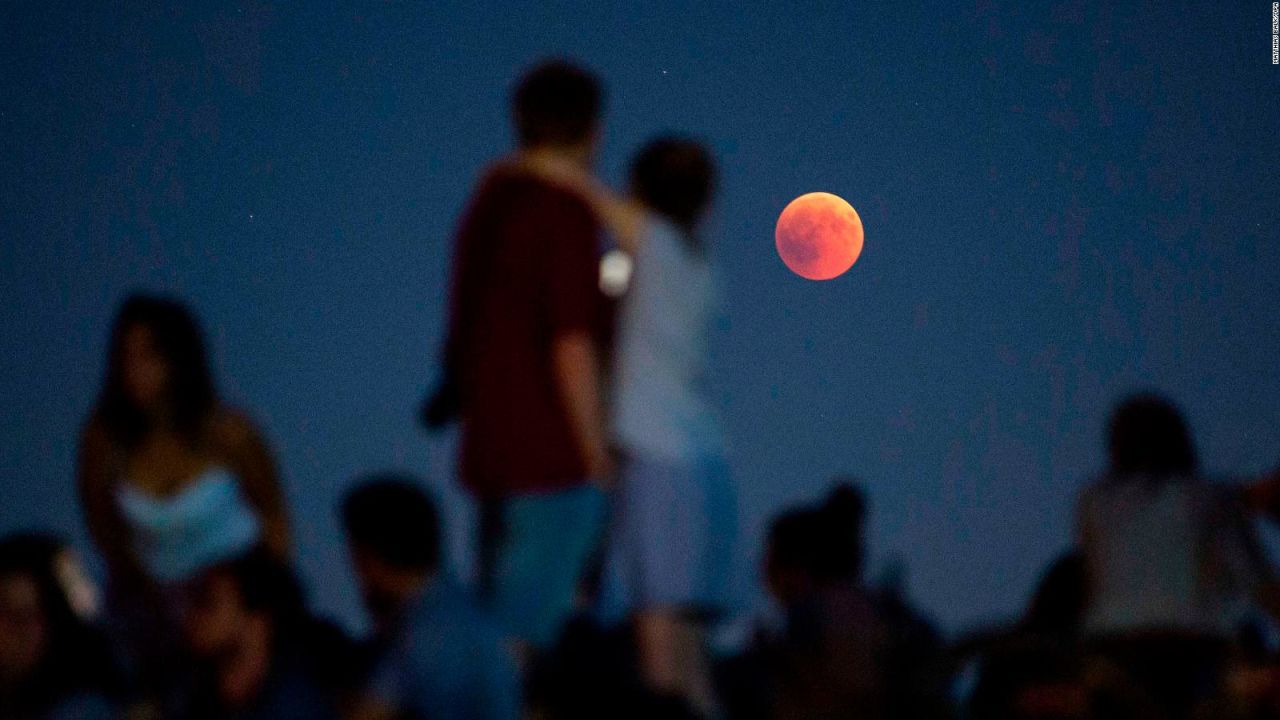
(1061, 202)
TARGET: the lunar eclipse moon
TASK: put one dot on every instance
(819, 236)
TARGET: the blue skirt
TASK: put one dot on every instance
(670, 538)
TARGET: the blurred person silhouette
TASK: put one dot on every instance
(258, 651)
(847, 649)
(909, 673)
(915, 665)
(441, 656)
(171, 479)
(827, 662)
(523, 360)
(842, 641)
(749, 682)
(673, 520)
(1034, 669)
(53, 663)
(1263, 495)
(1171, 562)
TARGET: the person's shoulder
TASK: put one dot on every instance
(94, 433)
(665, 242)
(849, 605)
(84, 706)
(541, 197)
(1090, 488)
(658, 235)
(1105, 486)
(493, 181)
(1098, 493)
(528, 201)
(658, 227)
(1221, 494)
(98, 445)
(233, 428)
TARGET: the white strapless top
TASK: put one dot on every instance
(206, 522)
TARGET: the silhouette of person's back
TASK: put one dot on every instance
(1171, 563)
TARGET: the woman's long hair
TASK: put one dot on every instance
(177, 337)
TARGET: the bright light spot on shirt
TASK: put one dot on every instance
(615, 273)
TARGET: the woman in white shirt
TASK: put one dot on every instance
(172, 480)
(1171, 560)
(674, 515)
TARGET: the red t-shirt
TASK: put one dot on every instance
(526, 270)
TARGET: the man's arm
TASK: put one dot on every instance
(576, 365)
(576, 308)
(1263, 495)
(623, 217)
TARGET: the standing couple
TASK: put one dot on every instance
(573, 434)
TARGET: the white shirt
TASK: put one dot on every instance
(659, 408)
(1166, 555)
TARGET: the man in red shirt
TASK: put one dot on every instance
(522, 362)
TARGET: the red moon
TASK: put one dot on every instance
(819, 236)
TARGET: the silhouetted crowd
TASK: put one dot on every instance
(606, 520)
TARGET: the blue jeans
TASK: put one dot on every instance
(534, 549)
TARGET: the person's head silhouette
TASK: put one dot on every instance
(556, 109)
(1148, 437)
(675, 178)
(394, 535)
(157, 367)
